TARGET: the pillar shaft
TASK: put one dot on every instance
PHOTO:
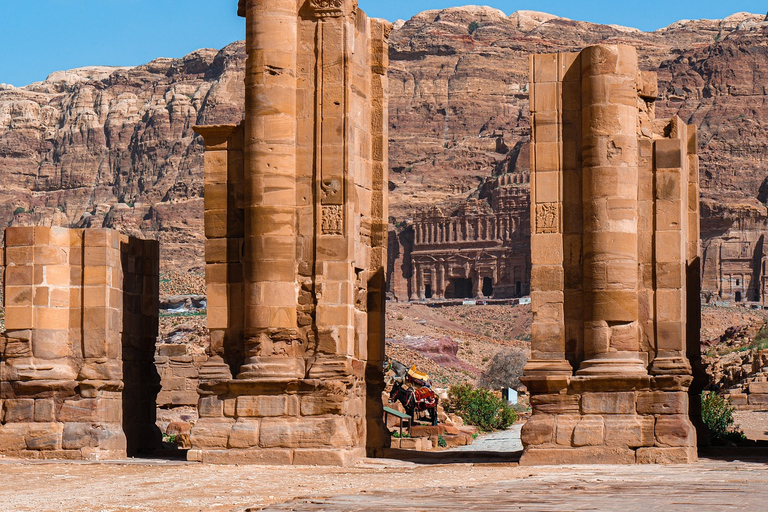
(609, 185)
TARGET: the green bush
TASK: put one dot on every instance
(19, 210)
(717, 415)
(481, 408)
(441, 442)
(473, 25)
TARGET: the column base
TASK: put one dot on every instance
(615, 363)
(536, 367)
(670, 364)
(272, 367)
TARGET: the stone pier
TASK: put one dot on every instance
(296, 228)
(615, 257)
(77, 378)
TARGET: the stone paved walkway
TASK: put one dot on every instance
(709, 485)
(503, 441)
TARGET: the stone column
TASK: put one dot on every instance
(270, 191)
(672, 250)
(610, 183)
(548, 74)
(441, 279)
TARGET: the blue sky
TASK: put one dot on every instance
(38, 37)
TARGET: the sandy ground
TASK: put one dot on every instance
(187, 487)
(377, 485)
(754, 424)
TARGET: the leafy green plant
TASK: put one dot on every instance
(19, 210)
(717, 415)
(169, 438)
(481, 407)
(472, 27)
(441, 442)
(396, 433)
(167, 314)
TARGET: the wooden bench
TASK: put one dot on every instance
(401, 415)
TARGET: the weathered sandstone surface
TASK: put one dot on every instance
(114, 147)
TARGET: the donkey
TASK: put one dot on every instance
(415, 399)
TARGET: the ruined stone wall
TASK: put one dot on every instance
(615, 253)
(296, 243)
(77, 378)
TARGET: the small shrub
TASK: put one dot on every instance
(717, 415)
(505, 369)
(396, 433)
(472, 27)
(480, 407)
(441, 442)
(19, 210)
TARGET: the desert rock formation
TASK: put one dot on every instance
(113, 147)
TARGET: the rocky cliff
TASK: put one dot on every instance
(114, 147)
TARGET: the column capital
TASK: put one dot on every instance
(332, 8)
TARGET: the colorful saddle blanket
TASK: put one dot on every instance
(425, 397)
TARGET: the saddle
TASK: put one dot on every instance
(417, 378)
(425, 397)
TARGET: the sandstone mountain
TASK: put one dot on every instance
(114, 146)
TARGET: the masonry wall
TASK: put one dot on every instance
(615, 253)
(77, 378)
(296, 250)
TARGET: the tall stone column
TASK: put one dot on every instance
(272, 343)
(610, 187)
(315, 208)
(613, 230)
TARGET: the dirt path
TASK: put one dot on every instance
(377, 485)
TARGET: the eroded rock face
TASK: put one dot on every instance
(114, 147)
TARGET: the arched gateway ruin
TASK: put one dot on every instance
(296, 228)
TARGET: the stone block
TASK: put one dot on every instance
(675, 430)
(608, 403)
(267, 405)
(272, 456)
(19, 410)
(45, 436)
(78, 435)
(210, 407)
(244, 434)
(590, 431)
(662, 402)
(555, 404)
(166, 349)
(538, 430)
(738, 399)
(758, 399)
(535, 456)
(630, 430)
(317, 405)
(565, 423)
(13, 437)
(673, 455)
(91, 409)
(211, 433)
(758, 387)
(44, 410)
(184, 397)
(19, 236)
(306, 432)
(325, 457)
(668, 153)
